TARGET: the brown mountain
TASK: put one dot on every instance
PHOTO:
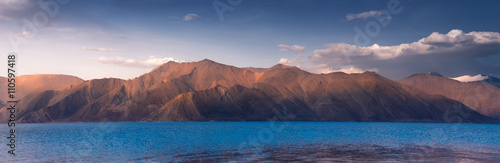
(209, 91)
(479, 95)
(28, 84)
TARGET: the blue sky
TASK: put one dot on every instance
(126, 38)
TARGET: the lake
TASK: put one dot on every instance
(253, 141)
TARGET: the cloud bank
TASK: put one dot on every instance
(455, 53)
(452, 42)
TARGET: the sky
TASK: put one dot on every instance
(127, 38)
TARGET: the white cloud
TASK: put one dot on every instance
(151, 62)
(297, 61)
(102, 49)
(468, 78)
(190, 17)
(435, 43)
(381, 52)
(292, 48)
(364, 15)
(284, 61)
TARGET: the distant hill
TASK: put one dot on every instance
(210, 91)
(478, 95)
(28, 84)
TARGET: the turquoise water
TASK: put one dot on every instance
(253, 141)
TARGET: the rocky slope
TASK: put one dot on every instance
(478, 95)
(209, 91)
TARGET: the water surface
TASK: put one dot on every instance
(254, 141)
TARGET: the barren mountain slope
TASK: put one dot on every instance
(207, 91)
(480, 96)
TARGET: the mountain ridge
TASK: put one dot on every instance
(210, 91)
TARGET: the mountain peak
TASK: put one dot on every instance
(435, 73)
(281, 66)
(207, 60)
(165, 65)
(209, 63)
(183, 66)
(425, 75)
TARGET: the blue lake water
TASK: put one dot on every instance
(253, 141)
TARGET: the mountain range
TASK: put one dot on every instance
(210, 91)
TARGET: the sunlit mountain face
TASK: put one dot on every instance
(210, 91)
